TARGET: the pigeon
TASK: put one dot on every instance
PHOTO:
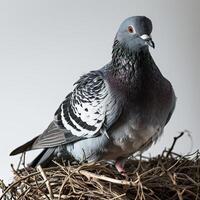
(113, 112)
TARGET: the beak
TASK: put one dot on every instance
(148, 40)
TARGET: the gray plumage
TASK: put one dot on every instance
(112, 112)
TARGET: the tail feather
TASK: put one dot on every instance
(23, 148)
(44, 158)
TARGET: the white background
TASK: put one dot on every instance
(46, 45)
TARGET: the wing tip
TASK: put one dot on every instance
(23, 148)
(14, 152)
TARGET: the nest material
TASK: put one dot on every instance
(167, 176)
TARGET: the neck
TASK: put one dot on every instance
(128, 67)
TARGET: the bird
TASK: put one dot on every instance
(112, 112)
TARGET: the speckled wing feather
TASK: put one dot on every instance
(88, 111)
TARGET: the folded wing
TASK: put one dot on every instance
(90, 110)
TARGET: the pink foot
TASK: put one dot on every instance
(120, 168)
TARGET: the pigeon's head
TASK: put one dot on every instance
(135, 33)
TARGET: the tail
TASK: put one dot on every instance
(23, 148)
(44, 158)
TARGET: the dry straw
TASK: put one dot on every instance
(168, 176)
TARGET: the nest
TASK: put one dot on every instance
(167, 176)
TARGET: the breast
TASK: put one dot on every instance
(134, 140)
(132, 135)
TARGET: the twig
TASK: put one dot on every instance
(122, 195)
(39, 168)
(176, 175)
(173, 179)
(173, 144)
(108, 179)
(20, 161)
(61, 188)
(15, 183)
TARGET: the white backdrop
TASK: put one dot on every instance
(46, 45)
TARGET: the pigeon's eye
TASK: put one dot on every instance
(131, 29)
